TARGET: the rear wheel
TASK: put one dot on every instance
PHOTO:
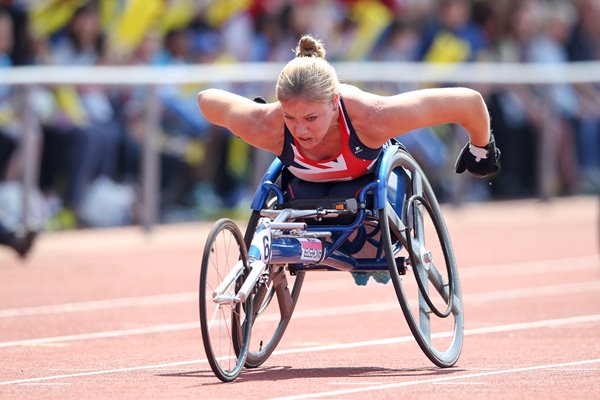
(430, 296)
(225, 324)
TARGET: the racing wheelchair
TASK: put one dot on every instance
(250, 284)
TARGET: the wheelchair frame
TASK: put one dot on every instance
(277, 246)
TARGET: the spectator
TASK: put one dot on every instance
(566, 109)
(452, 37)
(9, 130)
(81, 139)
(187, 146)
(584, 45)
(21, 242)
(517, 113)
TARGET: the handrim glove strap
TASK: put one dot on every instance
(480, 153)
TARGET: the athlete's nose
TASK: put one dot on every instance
(301, 129)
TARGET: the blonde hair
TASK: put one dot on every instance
(308, 75)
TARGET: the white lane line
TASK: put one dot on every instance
(104, 334)
(573, 263)
(436, 380)
(315, 313)
(175, 298)
(531, 267)
(45, 384)
(141, 301)
(375, 342)
(104, 372)
(550, 323)
(521, 293)
(578, 369)
(354, 383)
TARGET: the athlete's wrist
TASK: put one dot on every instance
(480, 152)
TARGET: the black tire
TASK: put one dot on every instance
(226, 326)
(270, 322)
(431, 298)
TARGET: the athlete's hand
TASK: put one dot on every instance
(481, 162)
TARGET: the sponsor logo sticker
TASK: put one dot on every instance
(312, 249)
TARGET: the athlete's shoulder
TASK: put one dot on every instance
(352, 94)
(359, 106)
(357, 100)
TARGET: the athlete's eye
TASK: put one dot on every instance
(311, 118)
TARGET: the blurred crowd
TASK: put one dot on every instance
(92, 135)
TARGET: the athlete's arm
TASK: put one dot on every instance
(381, 118)
(260, 125)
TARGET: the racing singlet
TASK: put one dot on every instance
(354, 160)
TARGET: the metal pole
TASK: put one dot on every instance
(150, 168)
(547, 168)
(30, 156)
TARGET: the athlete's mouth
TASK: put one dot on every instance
(305, 140)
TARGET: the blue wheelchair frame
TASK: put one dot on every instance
(286, 251)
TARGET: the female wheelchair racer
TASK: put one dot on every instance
(334, 133)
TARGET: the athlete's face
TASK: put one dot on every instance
(309, 121)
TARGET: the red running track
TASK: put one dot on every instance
(113, 314)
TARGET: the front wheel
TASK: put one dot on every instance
(225, 322)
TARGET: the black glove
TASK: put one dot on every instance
(259, 99)
(479, 161)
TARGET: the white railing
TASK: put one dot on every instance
(406, 72)
(366, 72)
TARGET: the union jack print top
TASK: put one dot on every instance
(354, 160)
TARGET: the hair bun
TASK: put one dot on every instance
(308, 46)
